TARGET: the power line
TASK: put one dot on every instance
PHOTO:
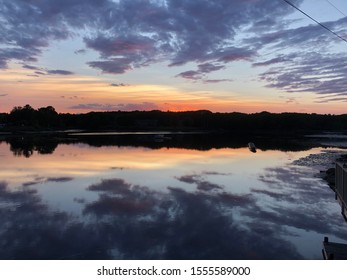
(321, 24)
(336, 8)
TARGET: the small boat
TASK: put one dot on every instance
(252, 147)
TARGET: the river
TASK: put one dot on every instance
(165, 197)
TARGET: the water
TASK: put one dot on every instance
(177, 197)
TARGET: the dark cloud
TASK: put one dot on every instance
(209, 34)
(144, 224)
(122, 52)
(30, 230)
(31, 183)
(191, 75)
(207, 186)
(201, 184)
(42, 71)
(117, 168)
(296, 201)
(3, 94)
(144, 106)
(132, 34)
(114, 66)
(111, 185)
(59, 72)
(59, 179)
(310, 36)
(119, 197)
(31, 26)
(127, 221)
(214, 81)
(79, 200)
(310, 72)
(311, 62)
(190, 179)
(41, 180)
(336, 99)
(80, 51)
(276, 60)
(209, 67)
(10, 53)
(26, 66)
(107, 205)
(121, 46)
(216, 173)
(118, 85)
(201, 72)
(292, 100)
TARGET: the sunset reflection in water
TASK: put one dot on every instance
(126, 202)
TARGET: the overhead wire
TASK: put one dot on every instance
(336, 8)
(316, 21)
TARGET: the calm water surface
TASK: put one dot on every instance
(160, 201)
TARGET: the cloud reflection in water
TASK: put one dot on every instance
(146, 224)
(227, 214)
(298, 201)
(134, 222)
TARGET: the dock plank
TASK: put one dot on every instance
(334, 251)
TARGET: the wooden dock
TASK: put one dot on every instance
(334, 251)
(341, 186)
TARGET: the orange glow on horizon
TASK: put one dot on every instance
(67, 93)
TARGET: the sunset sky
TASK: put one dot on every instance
(220, 55)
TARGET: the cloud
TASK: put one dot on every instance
(209, 67)
(303, 199)
(10, 53)
(214, 81)
(3, 94)
(114, 66)
(41, 180)
(128, 221)
(26, 66)
(292, 100)
(336, 99)
(144, 106)
(122, 53)
(215, 173)
(132, 34)
(184, 225)
(201, 72)
(205, 35)
(121, 46)
(42, 71)
(59, 72)
(191, 75)
(201, 184)
(52, 234)
(80, 51)
(118, 85)
(111, 185)
(190, 179)
(310, 72)
(275, 60)
(59, 179)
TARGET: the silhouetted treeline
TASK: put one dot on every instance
(28, 118)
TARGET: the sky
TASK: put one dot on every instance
(174, 55)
